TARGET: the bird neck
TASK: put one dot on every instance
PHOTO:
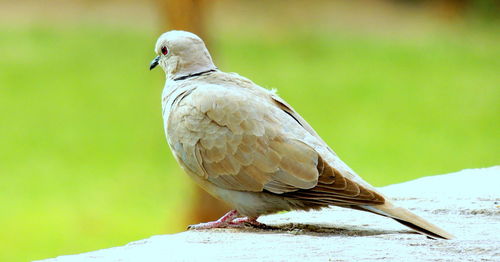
(189, 64)
(184, 77)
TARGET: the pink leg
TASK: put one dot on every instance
(246, 220)
(224, 221)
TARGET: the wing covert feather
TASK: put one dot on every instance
(246, 144)
(256, 145)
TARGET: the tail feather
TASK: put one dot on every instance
(408, 219)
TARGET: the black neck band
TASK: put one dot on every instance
(193, 75)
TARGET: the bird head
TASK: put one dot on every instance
(181, 53)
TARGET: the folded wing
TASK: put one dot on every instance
(242, 141)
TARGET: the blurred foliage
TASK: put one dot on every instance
(83, 159)
(84, 162)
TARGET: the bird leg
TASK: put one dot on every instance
(224, 221)
(230, 219)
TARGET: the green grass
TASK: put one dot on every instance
(84, 163)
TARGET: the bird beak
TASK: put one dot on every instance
(154, 63)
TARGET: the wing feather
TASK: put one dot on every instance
(244, 144)
(257, 144)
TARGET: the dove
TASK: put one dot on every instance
(248, 147)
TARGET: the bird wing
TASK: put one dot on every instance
(242, 140)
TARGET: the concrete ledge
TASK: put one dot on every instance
(466, 203)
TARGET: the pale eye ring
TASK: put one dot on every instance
(164, 50)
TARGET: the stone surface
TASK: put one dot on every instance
(466, 203)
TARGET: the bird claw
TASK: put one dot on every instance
(220, 223)
(242, 221)
(230, 219)
(208, 225)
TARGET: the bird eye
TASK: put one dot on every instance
(164, 50)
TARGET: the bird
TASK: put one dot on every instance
(248, 147)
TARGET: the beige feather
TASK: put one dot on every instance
(247, 146)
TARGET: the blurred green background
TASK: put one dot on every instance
(399, 90)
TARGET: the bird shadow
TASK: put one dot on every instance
(316, 230)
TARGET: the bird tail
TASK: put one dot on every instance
(408, 219)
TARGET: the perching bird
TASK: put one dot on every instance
(249, 148)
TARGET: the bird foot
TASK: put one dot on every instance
(241, 221)
(220, 223)
(230, 219)
(209, 225)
